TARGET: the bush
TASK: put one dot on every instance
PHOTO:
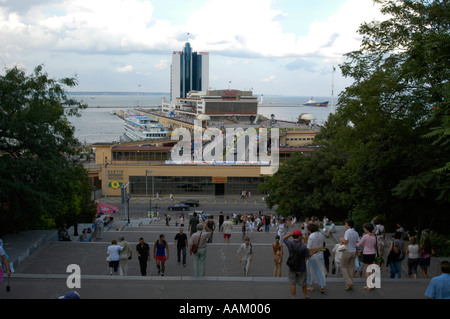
(440, 243)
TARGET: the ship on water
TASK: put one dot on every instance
(312, 102)
(142, 128)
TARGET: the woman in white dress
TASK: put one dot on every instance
(281, 228)
(316, 264)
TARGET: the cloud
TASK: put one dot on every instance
(250, 28)
(247, 37)
(256, 30)
(162, 64)
(125, 69)
(269, 79)
(301, 64)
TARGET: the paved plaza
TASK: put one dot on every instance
(41, 273)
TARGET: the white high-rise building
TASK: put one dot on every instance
(189, 72)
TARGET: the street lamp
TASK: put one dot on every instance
(146, 187)
(106, 177)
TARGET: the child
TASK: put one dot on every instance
(359, 266)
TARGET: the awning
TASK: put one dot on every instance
(104, 209)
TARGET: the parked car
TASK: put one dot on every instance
(192, 202)
(179, 206)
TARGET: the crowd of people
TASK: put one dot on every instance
(350, 257)
(201, 229)
(354, 254)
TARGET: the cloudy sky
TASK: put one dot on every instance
(285, 47)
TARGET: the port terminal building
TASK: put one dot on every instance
(217, 105)
(145, 167)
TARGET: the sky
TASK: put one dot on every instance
(273, 47)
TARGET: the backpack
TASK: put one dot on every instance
(399, 246)
(294, 259)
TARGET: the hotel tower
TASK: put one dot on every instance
(189, 72)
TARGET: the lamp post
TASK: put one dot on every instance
(146, 187)
(106, 177)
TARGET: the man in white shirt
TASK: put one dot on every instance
(245, 254)
(351, 237)
(329, 229)
(99, 225)
(227, 226)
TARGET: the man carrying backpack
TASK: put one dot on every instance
(298, 254)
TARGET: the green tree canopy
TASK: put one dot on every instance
(38, 150)
(389, 136)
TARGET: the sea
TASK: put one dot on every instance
(98, 124)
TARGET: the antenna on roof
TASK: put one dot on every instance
(187, 39)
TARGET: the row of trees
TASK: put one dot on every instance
(386, 150)
(43, 183)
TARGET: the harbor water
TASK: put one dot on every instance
(97, 124)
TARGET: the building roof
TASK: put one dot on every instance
(135, 148)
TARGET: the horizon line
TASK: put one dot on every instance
(163, 93)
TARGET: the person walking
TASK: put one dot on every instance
(336, 257)
(413, 257)
(439, 287)
(193, 222)
(226, 228)
(397, 242)
(125, 256)
(267, 223)
(245, 254)
(281, 229)
(351, 237)
(426, 251)
(161, 254)
(113, 257)
(299, 253)
(251, 224)
(392, 263)
(316, 264)
(380, 232)
(369, 242)
(277, 253)
(210, 226)
(221, 220)
(244, 228)
(8, 262)
(99, 226)
(181, 220)
(199, 239)
(167, 217)
(143, 253)
(5, 263)
(180, 245)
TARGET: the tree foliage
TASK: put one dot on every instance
(387, 146)
(39, 168)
